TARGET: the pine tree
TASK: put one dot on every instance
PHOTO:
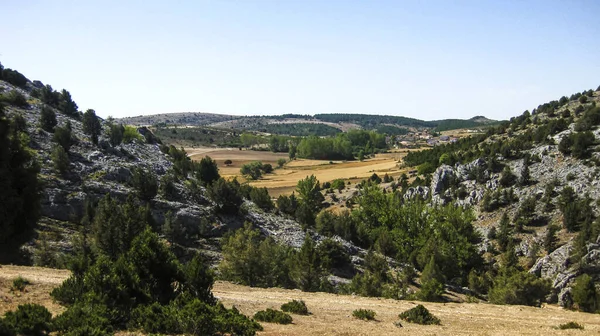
(91, 125)
(432, 282)
(66, 104)
(550, 239)
(60, 159)
(207, 172)
(47, 119)
(585, 294)
(504, 233)
(307, 271)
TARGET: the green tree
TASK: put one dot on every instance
(585, 294)
(47, 119)
(518, 287)
(550, 239)
(207, 171)
(252, 170)
(19, 188)
(60, 159)
(504, 235)
(63, 137)
(226, 194)
(115, 134)
(260, 197)
(281, 162)
(91, 125)
(432, 282)
(145, 183)
(48, 96)
(307, 271)
(507, 178)
(66, 104)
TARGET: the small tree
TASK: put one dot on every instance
(507, 178)
(47, 119)
(585, 294)
(145, 183)
(228, 162)
(432, 282)
(252, 170)
(63, 137)
(550, 239)
(208, 172)
(91, 125)
(66, 104)
(307, 271)
(281, 162)
(60, 159)
(260, 197)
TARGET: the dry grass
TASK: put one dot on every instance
(332, 314)
(284, 180)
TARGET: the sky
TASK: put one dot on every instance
(422, 59)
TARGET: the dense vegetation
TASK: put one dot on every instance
(370, 121)
(300, 129)
(126, 277)
(19, 188)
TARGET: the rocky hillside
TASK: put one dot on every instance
(536, 170)
(106, 168)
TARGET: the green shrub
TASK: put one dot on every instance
(29, 319)
(273, 316)
(296, 307)
(419, 315)
(82, 319)
(570, 325)
(131, 133)
(518, 287)
(364, 314)
(19, 284)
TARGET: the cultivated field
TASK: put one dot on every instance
(332, 314)
(284, 180)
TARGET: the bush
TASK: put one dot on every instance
(516, 287)
(29, 319)
(15, 98)
(281, 162)
(570, 325)
(296, 307)
(19, 284)
(419, 315)
(273, 316)
(131, 133)
(364, 314)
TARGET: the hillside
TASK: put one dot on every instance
(288, 124)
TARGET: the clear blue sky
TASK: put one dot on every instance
(423, 59)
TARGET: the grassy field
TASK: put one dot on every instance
(332, 314)
(284, 180)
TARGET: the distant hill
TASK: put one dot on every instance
(296, 124)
